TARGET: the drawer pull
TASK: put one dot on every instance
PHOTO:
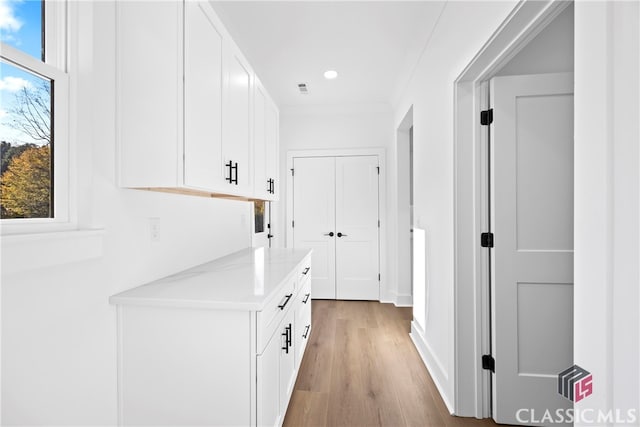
(306, 270)
(306, 331)
(306, 298)
(287, 338)
(286, 301)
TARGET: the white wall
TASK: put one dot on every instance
(461, 31)
(342, 127)
(58, 329)
(607, 200)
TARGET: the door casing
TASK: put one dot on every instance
(471, 276)
(385, 294)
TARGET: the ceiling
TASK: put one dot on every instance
(374, 46)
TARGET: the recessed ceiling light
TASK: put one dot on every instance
(330, 74)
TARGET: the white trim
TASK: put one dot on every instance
(403, 300)
(472, 383)
(57, 28)
(431, 362)
(382, 201)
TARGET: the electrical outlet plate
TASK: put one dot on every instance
(154, 229)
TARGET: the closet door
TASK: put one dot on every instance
(314, 219)
(357, 250)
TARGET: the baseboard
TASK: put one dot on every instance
(404, 301)
(431, 362)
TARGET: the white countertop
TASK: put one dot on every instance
(243, 280)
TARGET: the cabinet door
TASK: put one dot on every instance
(272, 129)
(203, 88)
(262, 185)
(287, 361)
(237, 136)
(149, 92)
(268, 398)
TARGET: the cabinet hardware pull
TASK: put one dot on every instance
(285, 334)
(306, 270)
(287, 338)
(340, 234)
(230, 177)
(306, 332)
(232, 168)
(330, 234)
(271, 186)
(306, 298)
(286, 301)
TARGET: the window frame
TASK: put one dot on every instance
(54, 68)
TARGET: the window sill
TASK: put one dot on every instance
(24, 252)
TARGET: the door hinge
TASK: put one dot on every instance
(486, 117)
(292, 224)
(488, 363)
(486, 240)
(378, 277)
(378, 167)
(291, 172)
(378, 223)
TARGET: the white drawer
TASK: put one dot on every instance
(274, 310)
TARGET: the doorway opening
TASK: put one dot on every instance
(536, 40)
(405, 224)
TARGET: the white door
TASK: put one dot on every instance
(357, 228)
(335, 213)
(314, 219)
(532, 258)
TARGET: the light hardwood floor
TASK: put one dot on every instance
(361, 368)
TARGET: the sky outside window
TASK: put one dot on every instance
(20, 27)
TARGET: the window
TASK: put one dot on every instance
(34, 183)
(258, 216)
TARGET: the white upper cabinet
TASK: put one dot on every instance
(265, 129)
(262, 185)
(185, 104)
(203, 91)
(272, 132)
(237, 134)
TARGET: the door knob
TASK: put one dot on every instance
(340, 235)
(329, 234)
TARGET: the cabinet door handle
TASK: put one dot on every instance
(306, 331)
(287, 341)
(341, 235)
(330, 234)
(306, 270)
(289, 335)
(230, 177)
(232, 168)
(306, 298)
(235, 167)
(286, 301)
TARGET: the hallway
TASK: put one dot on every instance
(361, 368)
